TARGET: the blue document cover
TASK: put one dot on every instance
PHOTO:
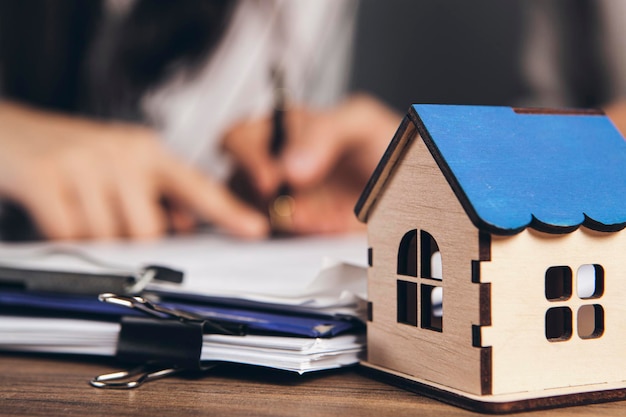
(255, 321)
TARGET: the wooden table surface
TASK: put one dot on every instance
(49, 386)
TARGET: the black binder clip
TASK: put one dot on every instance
(168, 342)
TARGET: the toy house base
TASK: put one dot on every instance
(500, 404)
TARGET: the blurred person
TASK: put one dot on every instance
(123, 118)
(115, 114)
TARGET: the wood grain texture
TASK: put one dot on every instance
(417, 196)
(384, 169)
(46, 386)
(523, 359)
(39, 386)
(491, 404)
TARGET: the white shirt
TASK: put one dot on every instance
(310, 40)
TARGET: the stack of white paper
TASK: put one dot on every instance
(83, 337)
(50, 335)
(318, 274)
(315, 273)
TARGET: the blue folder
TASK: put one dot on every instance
(255, 321)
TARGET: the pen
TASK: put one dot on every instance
(281, 207)
(278, 135)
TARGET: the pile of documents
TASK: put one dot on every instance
(293, 307)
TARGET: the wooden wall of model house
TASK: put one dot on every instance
(558, 309)
(416, 196)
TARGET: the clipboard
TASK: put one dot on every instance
(83, 275)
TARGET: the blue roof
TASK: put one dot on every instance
(512, 170)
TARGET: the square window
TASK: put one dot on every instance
(590, 321)
(558, 324)
(407, 302)
(590, 281)
(558, 283)
(432, 307)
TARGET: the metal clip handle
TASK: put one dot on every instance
(133, 378)
(138, 376)
(159, 311)
(144, 305)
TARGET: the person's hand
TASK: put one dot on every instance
(330, 160)
(329, 157)
(79, 178)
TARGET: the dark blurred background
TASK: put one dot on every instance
(470, 52)
(439, 52)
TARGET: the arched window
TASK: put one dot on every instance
(431, 295)
(407, 254)
(430, 257)
(423, 295)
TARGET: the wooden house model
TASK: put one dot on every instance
(497, 276)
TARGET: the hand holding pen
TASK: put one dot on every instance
(325, 157)
(282, 205)
(256, 146)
